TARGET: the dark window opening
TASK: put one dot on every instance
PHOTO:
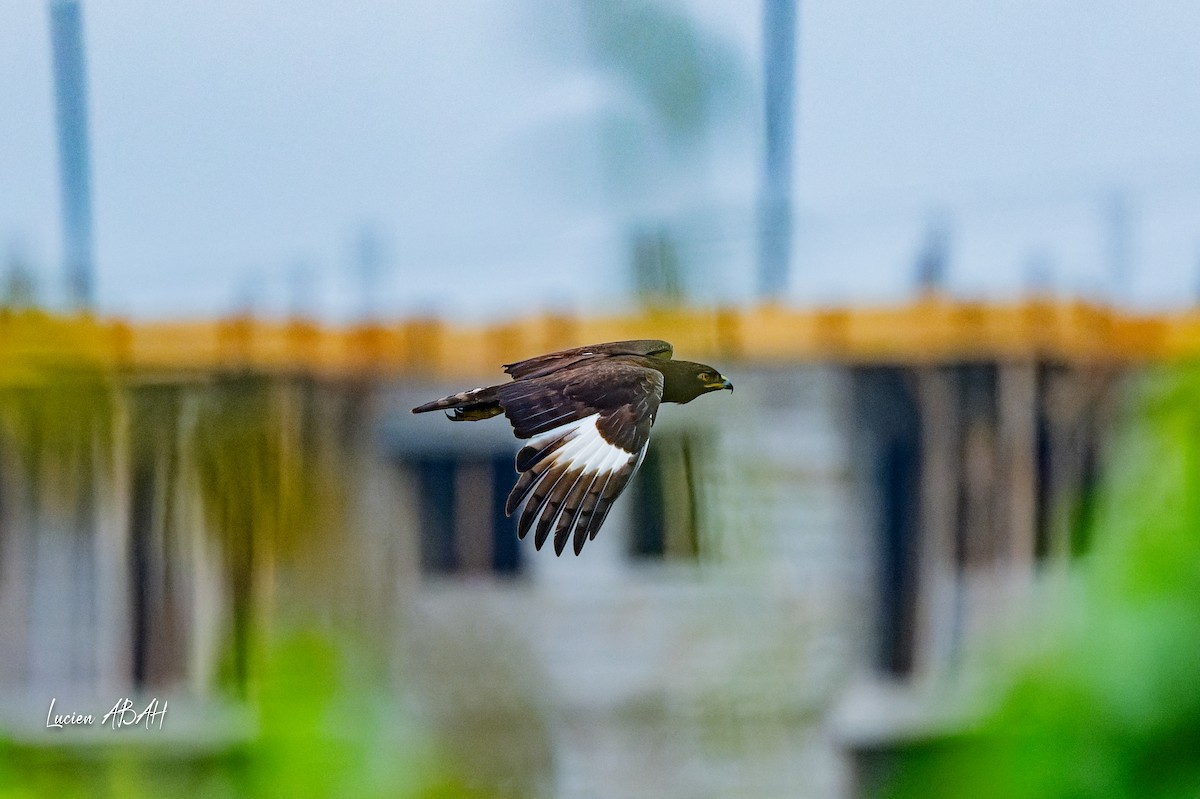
(647, 535)
(900, 492)
(435, 516)
(158, 654)
(141, 517)
(460, 515)
(888, 417)
(1044, 477)
(506, 552)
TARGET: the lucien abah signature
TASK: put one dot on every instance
(123, 714)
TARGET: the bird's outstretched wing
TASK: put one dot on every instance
(588, 427)
(555, 361)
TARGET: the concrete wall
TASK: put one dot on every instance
(684, 677)
(722, 667)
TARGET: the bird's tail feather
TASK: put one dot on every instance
(466, 406)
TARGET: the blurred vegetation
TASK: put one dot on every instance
(1109, 703)
(58, 418)
(268, 460)
(322, 729)
(266, 489)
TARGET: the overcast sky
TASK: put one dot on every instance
(240, 148)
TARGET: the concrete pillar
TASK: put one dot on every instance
(112, 494)
(937, 391)
(1017, 421)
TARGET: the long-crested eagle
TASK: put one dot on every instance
(587, 414)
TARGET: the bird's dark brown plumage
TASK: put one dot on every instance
(587, 413)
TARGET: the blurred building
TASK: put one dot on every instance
(765, 611)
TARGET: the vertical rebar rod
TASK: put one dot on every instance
(70, 97)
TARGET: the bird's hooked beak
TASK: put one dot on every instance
(721, 382)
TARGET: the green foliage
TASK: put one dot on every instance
(325, 732)
(323, 729)
(58, 416)
(257, 491)
(264, 462)
(267, 490)
(1112, 707)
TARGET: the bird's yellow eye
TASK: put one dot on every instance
(706, 377)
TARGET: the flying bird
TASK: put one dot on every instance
(586, 414)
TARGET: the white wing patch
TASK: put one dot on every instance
(570, 477)
(584, 444)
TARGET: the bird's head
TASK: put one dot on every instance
(690, 380)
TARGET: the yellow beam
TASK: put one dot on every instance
(930, 329)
